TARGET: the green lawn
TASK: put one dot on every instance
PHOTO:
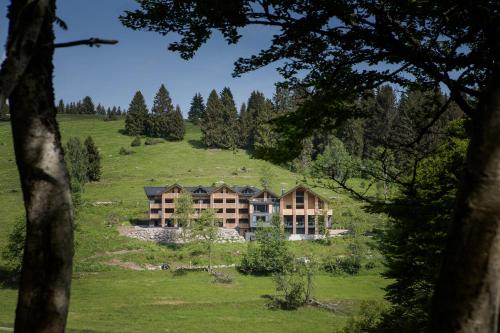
(162, 302)
(108, 298)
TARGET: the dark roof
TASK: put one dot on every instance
(204, 189)
(152, 191)
(246, 190)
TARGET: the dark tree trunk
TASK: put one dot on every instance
(47, 264)
(467, 296)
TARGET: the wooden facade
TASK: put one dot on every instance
(241, 208)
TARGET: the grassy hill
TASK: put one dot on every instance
(108, 298)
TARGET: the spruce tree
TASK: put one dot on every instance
(229, 131)
(264, 137)
(256, 112)
(136, 116)
(212, 121)
(197, 109)
(60, 107)
(242, 130)
(176, 125)
(76, 159)
(87, 106)
(162, 102)
(94, 160)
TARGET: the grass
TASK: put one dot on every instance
(162, 302)
(108, 298)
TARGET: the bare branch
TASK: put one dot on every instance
(97, 42)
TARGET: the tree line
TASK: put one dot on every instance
(87, 106)
(162, 122)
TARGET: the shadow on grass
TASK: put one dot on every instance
(139, 222)
(122, 131)
(196, 144)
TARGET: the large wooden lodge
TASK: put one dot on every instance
(241, 207)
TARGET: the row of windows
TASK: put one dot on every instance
(219, 210)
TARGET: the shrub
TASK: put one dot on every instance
(366, 320)
(13, 252)
(152, 141)
(337, 265)
(290, 290)
(220, 277)
(136, 142)
(125, 151)
(269, 254)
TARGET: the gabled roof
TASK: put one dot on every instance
(152, 191)
(249, 191)
(305, 188)
(268, 191)
(199, 190)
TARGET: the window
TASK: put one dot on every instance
(288, 206)
(243, 211)
(169, 210)
(247, 191)
(201, 201)
(243, 221)
(299, 199)
(169, 200)
(288, 221)
(219, 210)
(157, 201)
(218, 201)
(154, 211)
(300, 221)
(230, 201)
(242, 201)
(260, 208)
(230, 221)
(200, 190)
(230, 210)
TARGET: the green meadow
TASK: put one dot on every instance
(110, 297)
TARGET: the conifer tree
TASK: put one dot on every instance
(94, 160)
(264, 137)
(229, 130)
(87, 106)
(176, 125)
(162, 101)
(243, 131)
(210, 126)
(136, 116)
(256, 112)
(76, 159)
(197, 109)
(60, 107)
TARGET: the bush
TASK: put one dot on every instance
(269, 254)
(13, 252)
(220, 277)
(152, 141)
(337, 265)
(125, 151)
(290, 290)
(136, 142)
(366, 320)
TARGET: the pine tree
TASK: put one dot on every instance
(60, 107)
(87, 106)
(176, 125)
(229, 130)
(255, 112)
(100, 110)
(211, 124)
(197, 109)
(94, 160)
(242, 130)
(264, 137)
(162, 102)
(76, 159)
(136, 116)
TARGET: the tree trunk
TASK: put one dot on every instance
(467, 295)
(47, 264)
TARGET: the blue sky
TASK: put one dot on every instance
(141, 61)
